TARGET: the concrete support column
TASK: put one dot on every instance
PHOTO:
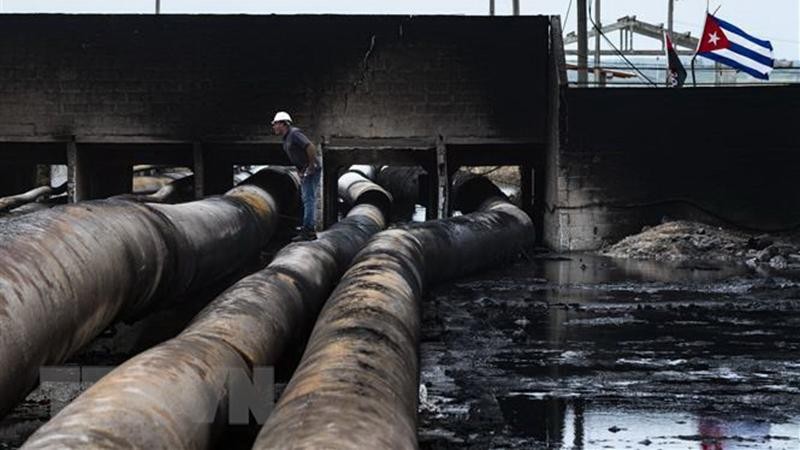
(539, 195)
(431, 185)
(77, 175)
(443, 180)
(330, 189)
(197, 167)
(533, 186)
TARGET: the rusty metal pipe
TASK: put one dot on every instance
(403, 182)
(168, 387)
(179, 190)
(356, 386)
(355, 187)
(369, 172)
(14, 201)
(68, 272)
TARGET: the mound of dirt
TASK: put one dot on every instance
(684, 240)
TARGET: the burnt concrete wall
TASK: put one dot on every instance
(207, 77)
(633, 157)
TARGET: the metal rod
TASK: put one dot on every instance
(68, 272)
(583, 45)
(599, 75)
(357, 384)
(670, 16)
(171, 387)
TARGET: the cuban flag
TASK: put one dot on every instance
(728, 44)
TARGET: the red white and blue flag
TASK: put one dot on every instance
(728, 44)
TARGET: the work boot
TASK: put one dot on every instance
(305, 235)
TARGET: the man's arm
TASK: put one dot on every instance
(311, 152)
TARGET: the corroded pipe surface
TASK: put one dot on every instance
(11, 202)
(179, 190)
(369, 172)
(155, 399)
(355, 188)
(148, 184)
(403, 183)
(356, 386)
(471, 191)
(68, 272)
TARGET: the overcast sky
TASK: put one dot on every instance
(776, 20)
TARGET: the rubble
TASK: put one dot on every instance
(685, 240)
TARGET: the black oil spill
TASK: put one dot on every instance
(591, 352)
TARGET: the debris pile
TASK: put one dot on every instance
(685, 240)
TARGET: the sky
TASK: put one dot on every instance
(775, 20)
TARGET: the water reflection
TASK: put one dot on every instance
(592, 352)
(555, 422)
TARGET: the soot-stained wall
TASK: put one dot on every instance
(207, 77)
(634, 157)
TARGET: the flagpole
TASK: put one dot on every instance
(694, 81)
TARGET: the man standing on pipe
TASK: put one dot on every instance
(303, 154)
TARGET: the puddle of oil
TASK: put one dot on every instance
(573, 423)
(589, 352)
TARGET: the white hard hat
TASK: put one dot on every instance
(282, 116)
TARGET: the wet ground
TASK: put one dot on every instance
(592, 352)
(573, 351)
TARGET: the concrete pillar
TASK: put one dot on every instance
(539, 207)
(77, 182)
(443, 180)
(330, 189)
(197, 167)
(431, 185)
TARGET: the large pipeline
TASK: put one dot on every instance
(356, 386)
(176, 191)
(68, 272)
(179, 190)
(356, 186)
(158, 398)
(403, 183)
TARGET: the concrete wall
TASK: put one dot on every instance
(633, 157)
(556, 140)
(212, 77)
